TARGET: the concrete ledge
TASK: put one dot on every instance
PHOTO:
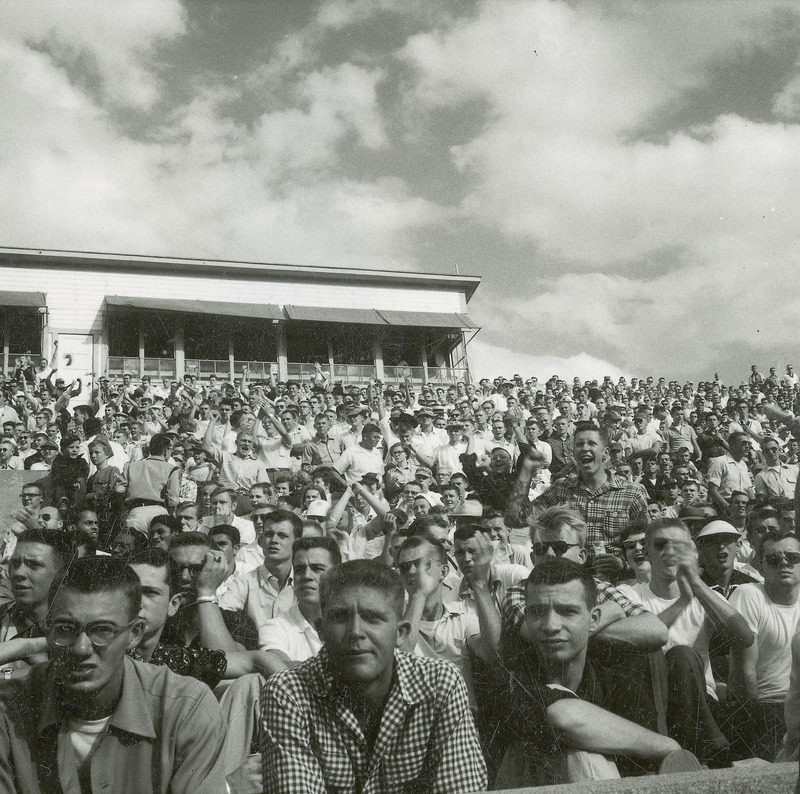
(756, 779)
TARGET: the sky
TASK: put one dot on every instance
(622, 175)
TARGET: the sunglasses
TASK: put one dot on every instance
(792, 557)
(630, 545)
(659, 544)
(559, 547)
(405, 567)
(715, 540)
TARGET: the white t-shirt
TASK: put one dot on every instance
(689, 628)
(446, 638)
(291, 634)
(85, 735)
(774, 626)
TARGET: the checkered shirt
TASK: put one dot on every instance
(427, 742)
(607, 511)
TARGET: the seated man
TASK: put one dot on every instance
(39, 558)
(199, 621)
(717, 544)
(363, 714)
(285, 641)
(760, 681)
(469, 542)
(443, 630)
(266, 592)
(568, 713)
(697, 619)
(162, 528)
(561, 532)
(98, 720)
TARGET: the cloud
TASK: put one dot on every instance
(489, 361)
(194, 179)
(667, 249)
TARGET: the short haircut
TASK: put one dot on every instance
(738, 434)
(588, 427)
(276, 516)
(222, 490)
(67, 441)
(189, 539)
(328, 544)
(266, 487)
(185, 506)
(362, 573)
(101, 575)
(490, 513)
(418, 542)
(60, 542)
(159, 444)
(467, 532)
(665, 523)
(459, 476)
(449, 487)
(423, 523)
(229, 531)
(28, 486)
(775, 537)
(370, 428)
(165, 520)
(152, 555)
(552, 519)
(562, 571)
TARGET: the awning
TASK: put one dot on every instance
(330, 314)
(428, 319)
(32, 299)
(261, 311)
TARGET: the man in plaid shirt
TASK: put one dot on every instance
(363, 716)
(607, 503)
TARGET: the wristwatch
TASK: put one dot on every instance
(206, 600)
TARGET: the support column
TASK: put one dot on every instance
(466, 357)
(330, 360)
(141, 347)
(378, 356)
(5, 350)
(424, 356)
(283, 359)
(180, 350)
(231, 370)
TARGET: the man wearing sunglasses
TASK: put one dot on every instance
(760, 681)
(718, 544)
(557, 533)
(98, 720)
(696, 618)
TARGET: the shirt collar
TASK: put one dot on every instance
(130, 714)
(408, 680)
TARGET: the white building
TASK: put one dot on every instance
(165, 316)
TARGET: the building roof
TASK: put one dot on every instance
(40, 257)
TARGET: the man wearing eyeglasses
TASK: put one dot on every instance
(760, 681)
(98, 721)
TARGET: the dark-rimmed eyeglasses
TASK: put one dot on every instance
(559, 547)
(776, 558)
(64, 632)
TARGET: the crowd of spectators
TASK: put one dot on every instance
(316, 587)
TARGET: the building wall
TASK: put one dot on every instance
(76, 297)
